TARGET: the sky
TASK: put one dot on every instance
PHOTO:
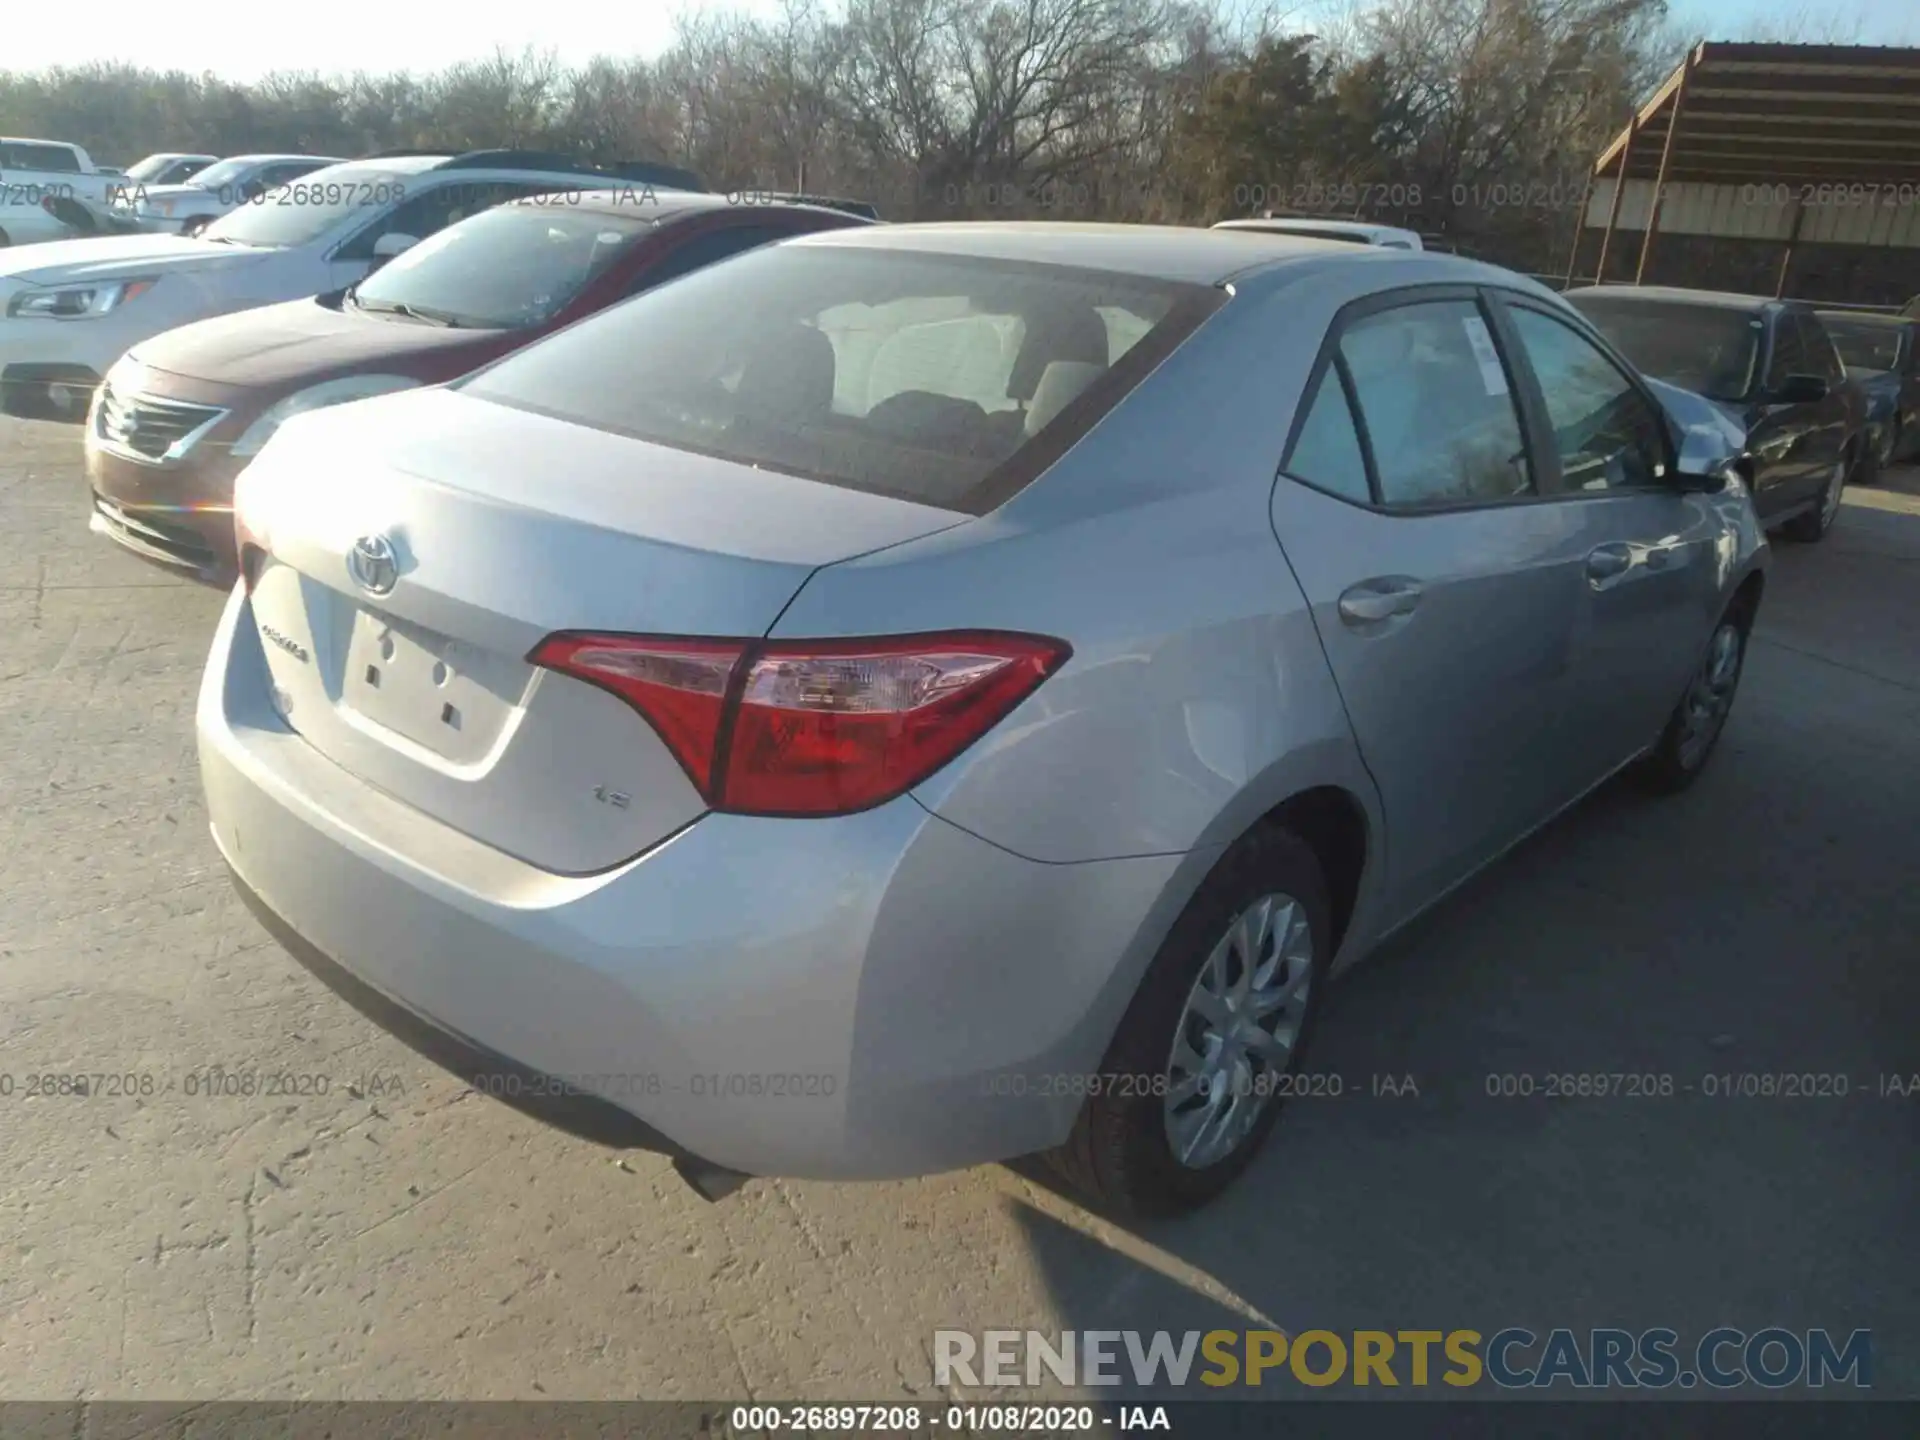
(228, 38)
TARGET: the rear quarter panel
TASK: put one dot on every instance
(1197, 697)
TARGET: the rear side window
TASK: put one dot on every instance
(1437, 406)
(1790, 355)
(287, 170)
(1864, 344)
(947, 380)
(1819, 348)
(1326, 453)
(41, 157)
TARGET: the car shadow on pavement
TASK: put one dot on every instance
(1761, 925)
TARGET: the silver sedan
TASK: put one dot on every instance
(919, 695)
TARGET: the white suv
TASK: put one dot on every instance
(226, 185)
(69, 309)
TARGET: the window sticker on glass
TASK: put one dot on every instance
(1491, 375)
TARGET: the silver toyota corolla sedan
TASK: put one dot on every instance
(920, 695)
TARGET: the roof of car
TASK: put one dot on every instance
(272, 157)
(659, 204)
(1162, 252)
(563, 179)
(1303, 224)
(1674, 295)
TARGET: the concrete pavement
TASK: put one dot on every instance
(398, 1237)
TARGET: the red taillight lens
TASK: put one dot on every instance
(813, 727)
(679, 685)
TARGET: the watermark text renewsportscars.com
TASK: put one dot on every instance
(1514, 1358)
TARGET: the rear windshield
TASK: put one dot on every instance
(1863, 344)
(165, 169)
(348, 192)
(1709, 349)
(506, 268)
(946, 380)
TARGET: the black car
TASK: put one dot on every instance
(1771, 365)
(1882, 352)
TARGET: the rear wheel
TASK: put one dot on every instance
(1693, 730)
(1201, 1064)
(5, 239)
(1814, 525)
(195, 226)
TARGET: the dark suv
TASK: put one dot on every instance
(1771, 365)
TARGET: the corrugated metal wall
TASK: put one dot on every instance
(1834, 215)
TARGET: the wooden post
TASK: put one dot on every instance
(1660, 181)
(1786, 255)
(1579, 230)
(1619, 191)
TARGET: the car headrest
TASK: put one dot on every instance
(1060, 385)
(1078, 334)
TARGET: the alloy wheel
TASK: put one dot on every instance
(1236, 1034)
(1704, 710)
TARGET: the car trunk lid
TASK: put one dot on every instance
(419, 547)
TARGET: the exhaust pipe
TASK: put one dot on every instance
(712, 1183)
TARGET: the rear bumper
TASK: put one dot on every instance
(544, 1097)
(870, 996)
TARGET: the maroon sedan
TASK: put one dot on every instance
(179, 417)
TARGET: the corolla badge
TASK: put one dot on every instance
(287, 643)
(372, 564)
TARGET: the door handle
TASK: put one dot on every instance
(1372, 601)
(1609, 562)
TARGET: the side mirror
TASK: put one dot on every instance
(1798, 390)
(1711, 477)
(1698, 482)
(393, 243)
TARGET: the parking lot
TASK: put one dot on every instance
(400, 1237)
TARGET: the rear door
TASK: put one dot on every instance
(1785, 439)
(1651, 586)
(1445, 585)
(1837, 415)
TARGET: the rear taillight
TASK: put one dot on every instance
(812, 727)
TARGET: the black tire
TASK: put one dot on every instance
(1812, 527)
(5, 240)
(1119, 1154)
(1867, 471)
(195, 226)
(1673, 764)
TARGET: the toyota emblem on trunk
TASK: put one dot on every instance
(372, 565)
